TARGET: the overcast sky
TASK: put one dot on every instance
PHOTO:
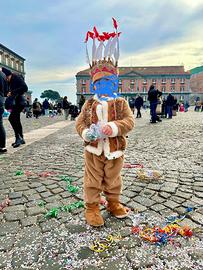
(50, 35)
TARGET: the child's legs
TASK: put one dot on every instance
(112, 183)
(94, 175)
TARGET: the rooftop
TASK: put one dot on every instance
(12, 52)
(146, 70)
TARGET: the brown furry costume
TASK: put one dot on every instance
(104, 158)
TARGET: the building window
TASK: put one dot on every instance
(172, 89)
(119, 89)
(172, 80)
(1, 57)
(144, 81)
(163, 89)
(83, 81)
(132, 81)
(154, 81)
(138, 89)
(120, 81)
(144, 89)
(6, 60)
(182, 80)
(181, 97)
(83, 89)
(21, 67)
(163, 80)
(12, 63)
(182, 88)
(17, 65)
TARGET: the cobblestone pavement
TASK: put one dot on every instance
(29, 240)
(31, 123)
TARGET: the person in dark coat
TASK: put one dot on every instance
(3, 93)
(81, 102)
(169, 105)
(45, 106)
(131, 102)
(153, 96)
(17, 88)
(138, 105)
(73, 112)
(66, 107)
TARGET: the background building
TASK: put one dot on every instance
(196, 83)
(134, 80)
(12, 61)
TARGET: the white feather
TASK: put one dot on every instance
(107, 48)
(94, 49)
(87, 55)
(113, 46)
(116, 53)
(99, 51)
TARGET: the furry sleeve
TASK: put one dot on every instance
(80, 124)
(124, 125)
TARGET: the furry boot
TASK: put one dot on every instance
(93, 215)
(117, 209)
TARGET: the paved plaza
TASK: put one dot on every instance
(37, 178)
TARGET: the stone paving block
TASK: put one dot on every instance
(183, 194)
(164, 194)
(18, 201)
(171, 204)
(4, 260)
(196, 200)
(6, 243)
(129, 193)
(34, 197)
(136, 206)
(52, 186)
(14, 216)
(76, 228)
(158, 199)
(197, 217)
(35, 185)
(57, 190)
(15, 195)
(147, 193)
(158, 207)
(54, 198)
(49, 225)
(9, 228)
(177, 199)
(41, 189)
(156, 187)
(29, 221)
(21, 188)
(48, 182)
(36, 210)
(46, 194)
(29, 192)
(144, 201)
(14, 208)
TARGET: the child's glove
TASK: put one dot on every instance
(95, 132)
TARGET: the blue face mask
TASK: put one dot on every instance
(105, 87)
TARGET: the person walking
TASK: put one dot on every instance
(81, 102)
(131, 103)
(66, 107)
(138, 105)
(45, 106)
(17, 88)
(169, 105)
(153, 96)
(3, 93)
(36, 107)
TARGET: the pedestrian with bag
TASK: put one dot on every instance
(153, 97)
(3, 92)
(17, 102)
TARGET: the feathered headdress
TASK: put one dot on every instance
(105, 52)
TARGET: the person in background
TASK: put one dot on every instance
(131, 103)
(169, 105)
(45, 106)
(186, 106)
(163, 108)
(153, 96)
(138, 105)
(3, 93)
(36, 107)
(81, 102)
(17, 89)
(73, 112)
(66, 107)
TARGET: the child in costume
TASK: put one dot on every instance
(103, 123)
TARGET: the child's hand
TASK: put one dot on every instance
(107, 130)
